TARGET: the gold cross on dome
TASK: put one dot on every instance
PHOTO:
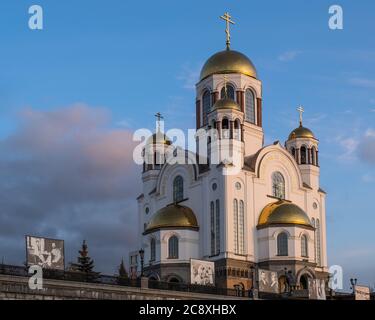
(158, 118)
(301, 111)
(227, 18)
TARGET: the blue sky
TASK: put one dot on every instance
(132, 59)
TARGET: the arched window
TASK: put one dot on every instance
(282, 244)
(152, 249)
(206, 102)
(225, 127)
(304, 249)
(178, 189)
(278, 185)
(237, 130)
(313, 157)
(235, 223)
(317, 235)
(173, 247)
(241, 229)
(303, 155)
(212, 213)
(313, 224)
(230, 92)
(250, 106)
(217, 227)
(293, 152)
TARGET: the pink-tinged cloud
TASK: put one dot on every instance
(66, 173)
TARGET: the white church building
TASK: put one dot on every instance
(269, 213)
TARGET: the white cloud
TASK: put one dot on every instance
(368, 178)
(350, 146)
(362, 82)
(289, 55)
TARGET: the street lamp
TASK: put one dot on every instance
(353, 282)
(142, 255)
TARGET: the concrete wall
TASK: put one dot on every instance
(17, 288)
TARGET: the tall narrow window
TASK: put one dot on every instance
(178, 189)
(206, 101)
(230, 92)
(212, 212)
(225, 128)
(317, 235)
(282, 244)
(304, 249)
(152, 249)
(313, 156)
(250, 106)
(303, 155)
(313, 224)
(293, 151)
(241, 228)
(235, 222)
(237, 130)
(278, 185)
(173, 247)
(217, 226)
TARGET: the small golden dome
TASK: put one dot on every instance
(301, 132)
(226, 104)
(283, 212)
(173, 216)
(158, 138)
(228, 61)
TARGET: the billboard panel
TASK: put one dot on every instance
(268, 281)
(44, 252)
(202, 272)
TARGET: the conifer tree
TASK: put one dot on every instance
(85, 263)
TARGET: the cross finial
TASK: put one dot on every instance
(158, 118)
(301, 111)
(227, 18)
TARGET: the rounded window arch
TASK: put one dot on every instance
(250, 106)
(304, 248)
(303, 155)
(278, 185)
(282, 244)
(229, 93)
(206, 104)
(173, 247)
(178, 189)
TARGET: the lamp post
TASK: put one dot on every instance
(353, 282)
(142, 255)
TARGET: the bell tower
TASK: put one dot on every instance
(241, 85)
(303, 146)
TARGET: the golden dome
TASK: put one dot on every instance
(226, 104)
(228, 61)
(158, 138)
(173, 216)
(283, 212)
(301, 132)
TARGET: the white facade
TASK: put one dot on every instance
(236, 236)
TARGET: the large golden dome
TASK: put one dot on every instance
(301, 132)
(173, 216)
(283, 212)
(228, 61)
